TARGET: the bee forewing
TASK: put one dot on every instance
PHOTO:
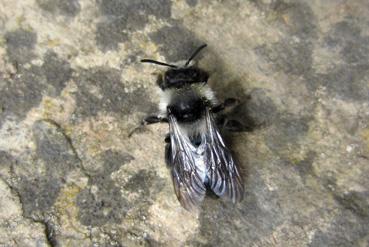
(187, 180)
(223, 175)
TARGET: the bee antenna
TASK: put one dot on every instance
(194, 54)
(157, 62)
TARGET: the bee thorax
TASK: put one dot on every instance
(189, 100)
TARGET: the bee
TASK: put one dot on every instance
(195, 151)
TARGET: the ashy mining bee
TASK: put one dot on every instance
(195, 151)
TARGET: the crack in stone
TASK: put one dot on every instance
(48, 228)
(49, 232)
(71, 145)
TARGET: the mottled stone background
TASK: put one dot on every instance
(72, 88)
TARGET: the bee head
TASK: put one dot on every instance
(177, 77)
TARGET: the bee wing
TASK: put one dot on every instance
(187, 180)
(223, 175)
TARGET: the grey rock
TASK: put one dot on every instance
(53, 147)
(56, 70)
(38, 191)
(288, 131)
(348, 80)
(65, 7)
(71, 176)
(120, 21)
(256, 110)
(251, 214)
(20, 44)
(192, 3)
(176, 42)
(292, 58)
(20, 94)
(110, 96)
(23, 91)
(38, 195)
(109, 34)
(346, 230)
(107, 204)
(159, 8)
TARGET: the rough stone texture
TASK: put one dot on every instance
(72, 89)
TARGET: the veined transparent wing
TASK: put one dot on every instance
(187, 180)
(222, 173)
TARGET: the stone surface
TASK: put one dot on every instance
(72, 89)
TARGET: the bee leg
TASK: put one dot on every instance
(234, 126)
(167, 138)
(151, 119)
(168, 150)
(160, 81)
(168, 154)
(228, 103)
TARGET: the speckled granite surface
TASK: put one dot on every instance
(72, 88)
